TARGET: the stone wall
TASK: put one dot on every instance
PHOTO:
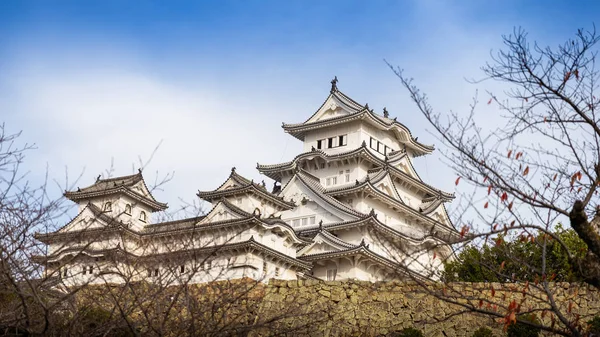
(354, 308)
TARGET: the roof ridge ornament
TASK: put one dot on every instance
(334, 85)
(364, 143)
(386, 114)
(233, 169)
(98, 178)
(367, 106)
(139, 170)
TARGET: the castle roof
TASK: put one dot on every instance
(357, 112)
(438, 232)
(275, 171)
(237, 185)
(133, 186)
(363, 250)
(250, 244)
(173, 227)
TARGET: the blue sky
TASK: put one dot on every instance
(95, 82)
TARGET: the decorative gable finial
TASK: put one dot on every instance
(321, 224)
(233, 169)
(140, 170)
(372, 211)
(312, 148)
(367, 106)
(386, 114)
(98, 178)
(362, 242)
(334, 85)
(264, 185)
(364, 144)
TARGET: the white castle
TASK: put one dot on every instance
(351, 206)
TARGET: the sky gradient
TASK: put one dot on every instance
(100, 82)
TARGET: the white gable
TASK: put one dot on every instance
(310, 203)
(333, 107)
(220, 213)
(324, 242)
(86, 219)
(386, 186)
(229, 183)
(141, 188)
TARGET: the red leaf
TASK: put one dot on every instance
(486, 205)
(570, 306)
(484, 179)
(489, 189)
(576, 72)
(502, 265)
(509, 153)
(493, 291)
(504, 197)
(555, 175)
(579, 189)
(545, 119)
(434, 255)
(510, 206)
(480, 303)
(490, 101)
(457, 180)
(526, 172)
(567, 76)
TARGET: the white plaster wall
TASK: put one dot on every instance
(349, 129)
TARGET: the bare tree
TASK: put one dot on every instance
(121, 292)
(540, 168)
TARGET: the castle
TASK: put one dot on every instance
(350, 206)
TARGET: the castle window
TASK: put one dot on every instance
(327, 181)
(347, 176)
(319, 144)
(108, 207)
(331, 274)
(91, 270)
(322, 165)
(342, 141)
(156, 272)
(330, 142)
(312, 220)
(128, 209)
(149, 272)
(65, 272)
(296, 222)
(304, 221)
(276, 271)
(143, 216)
(182, 268)
(334, 180)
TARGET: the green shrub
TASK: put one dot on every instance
(483, 332)
(523, 330)
(407, 332)
(594, 325)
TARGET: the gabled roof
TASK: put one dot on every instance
(235, 184)
(363, 250)
(358, 112)
(368, 183)
(314, 185)
(439, 232)
(275, 171)
(324, 236)
(177, 226)
(124, 185)
(118, 251)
